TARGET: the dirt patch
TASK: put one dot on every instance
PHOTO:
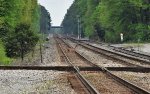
(77, 85)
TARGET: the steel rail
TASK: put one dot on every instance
(120, 49)
(142, 60)
(126, 83)
(88, 62)
(77, 70)
(98, 49)
(110, 56)
(86, 83)
(133, 53)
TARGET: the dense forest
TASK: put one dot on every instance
(45, 20)
(105, 19)
(19, 27)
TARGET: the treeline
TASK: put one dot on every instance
(19, 27)
(45, 20)
(106, 19)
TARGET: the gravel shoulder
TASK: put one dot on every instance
(142, 47)
(98, 58)
(34, 82)
(51, 55)
(140, 79)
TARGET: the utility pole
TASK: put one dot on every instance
(80, 29)
(79, 35)
(139, 44)
(22, 51)
(41, 46)
(41, 52)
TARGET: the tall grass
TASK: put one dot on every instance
(4, 60)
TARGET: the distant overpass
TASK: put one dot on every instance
(56, 26)
(56, 29)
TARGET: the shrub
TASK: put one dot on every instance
(22, 40)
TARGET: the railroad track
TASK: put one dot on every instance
(120, 80)
(122, 50)
(126, 51)
(86, 83)
(85, 61)
(105, 84)
(115, 55)
(132, 53)
(93, 67)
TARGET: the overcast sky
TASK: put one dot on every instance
(57, 9)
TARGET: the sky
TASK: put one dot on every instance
(57, 9)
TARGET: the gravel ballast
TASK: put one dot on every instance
(105, 84)
(51, 56)
(95, 57)
(34, 82)
(140, 79)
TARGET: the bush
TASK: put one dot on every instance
(112, 37)
(22, 39)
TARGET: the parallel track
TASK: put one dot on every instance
(94, 67)
(103, 51)
(132, 53)
(132, 86)
(123, 50)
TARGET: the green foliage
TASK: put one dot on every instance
(45, 20)
(19, 25)
(109, 18)
(21, 39)
(85, 9)
(3, 58)
(16, 11)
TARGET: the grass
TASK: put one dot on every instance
(4, 60)
(30, 57)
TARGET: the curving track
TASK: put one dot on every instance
(132, 88)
